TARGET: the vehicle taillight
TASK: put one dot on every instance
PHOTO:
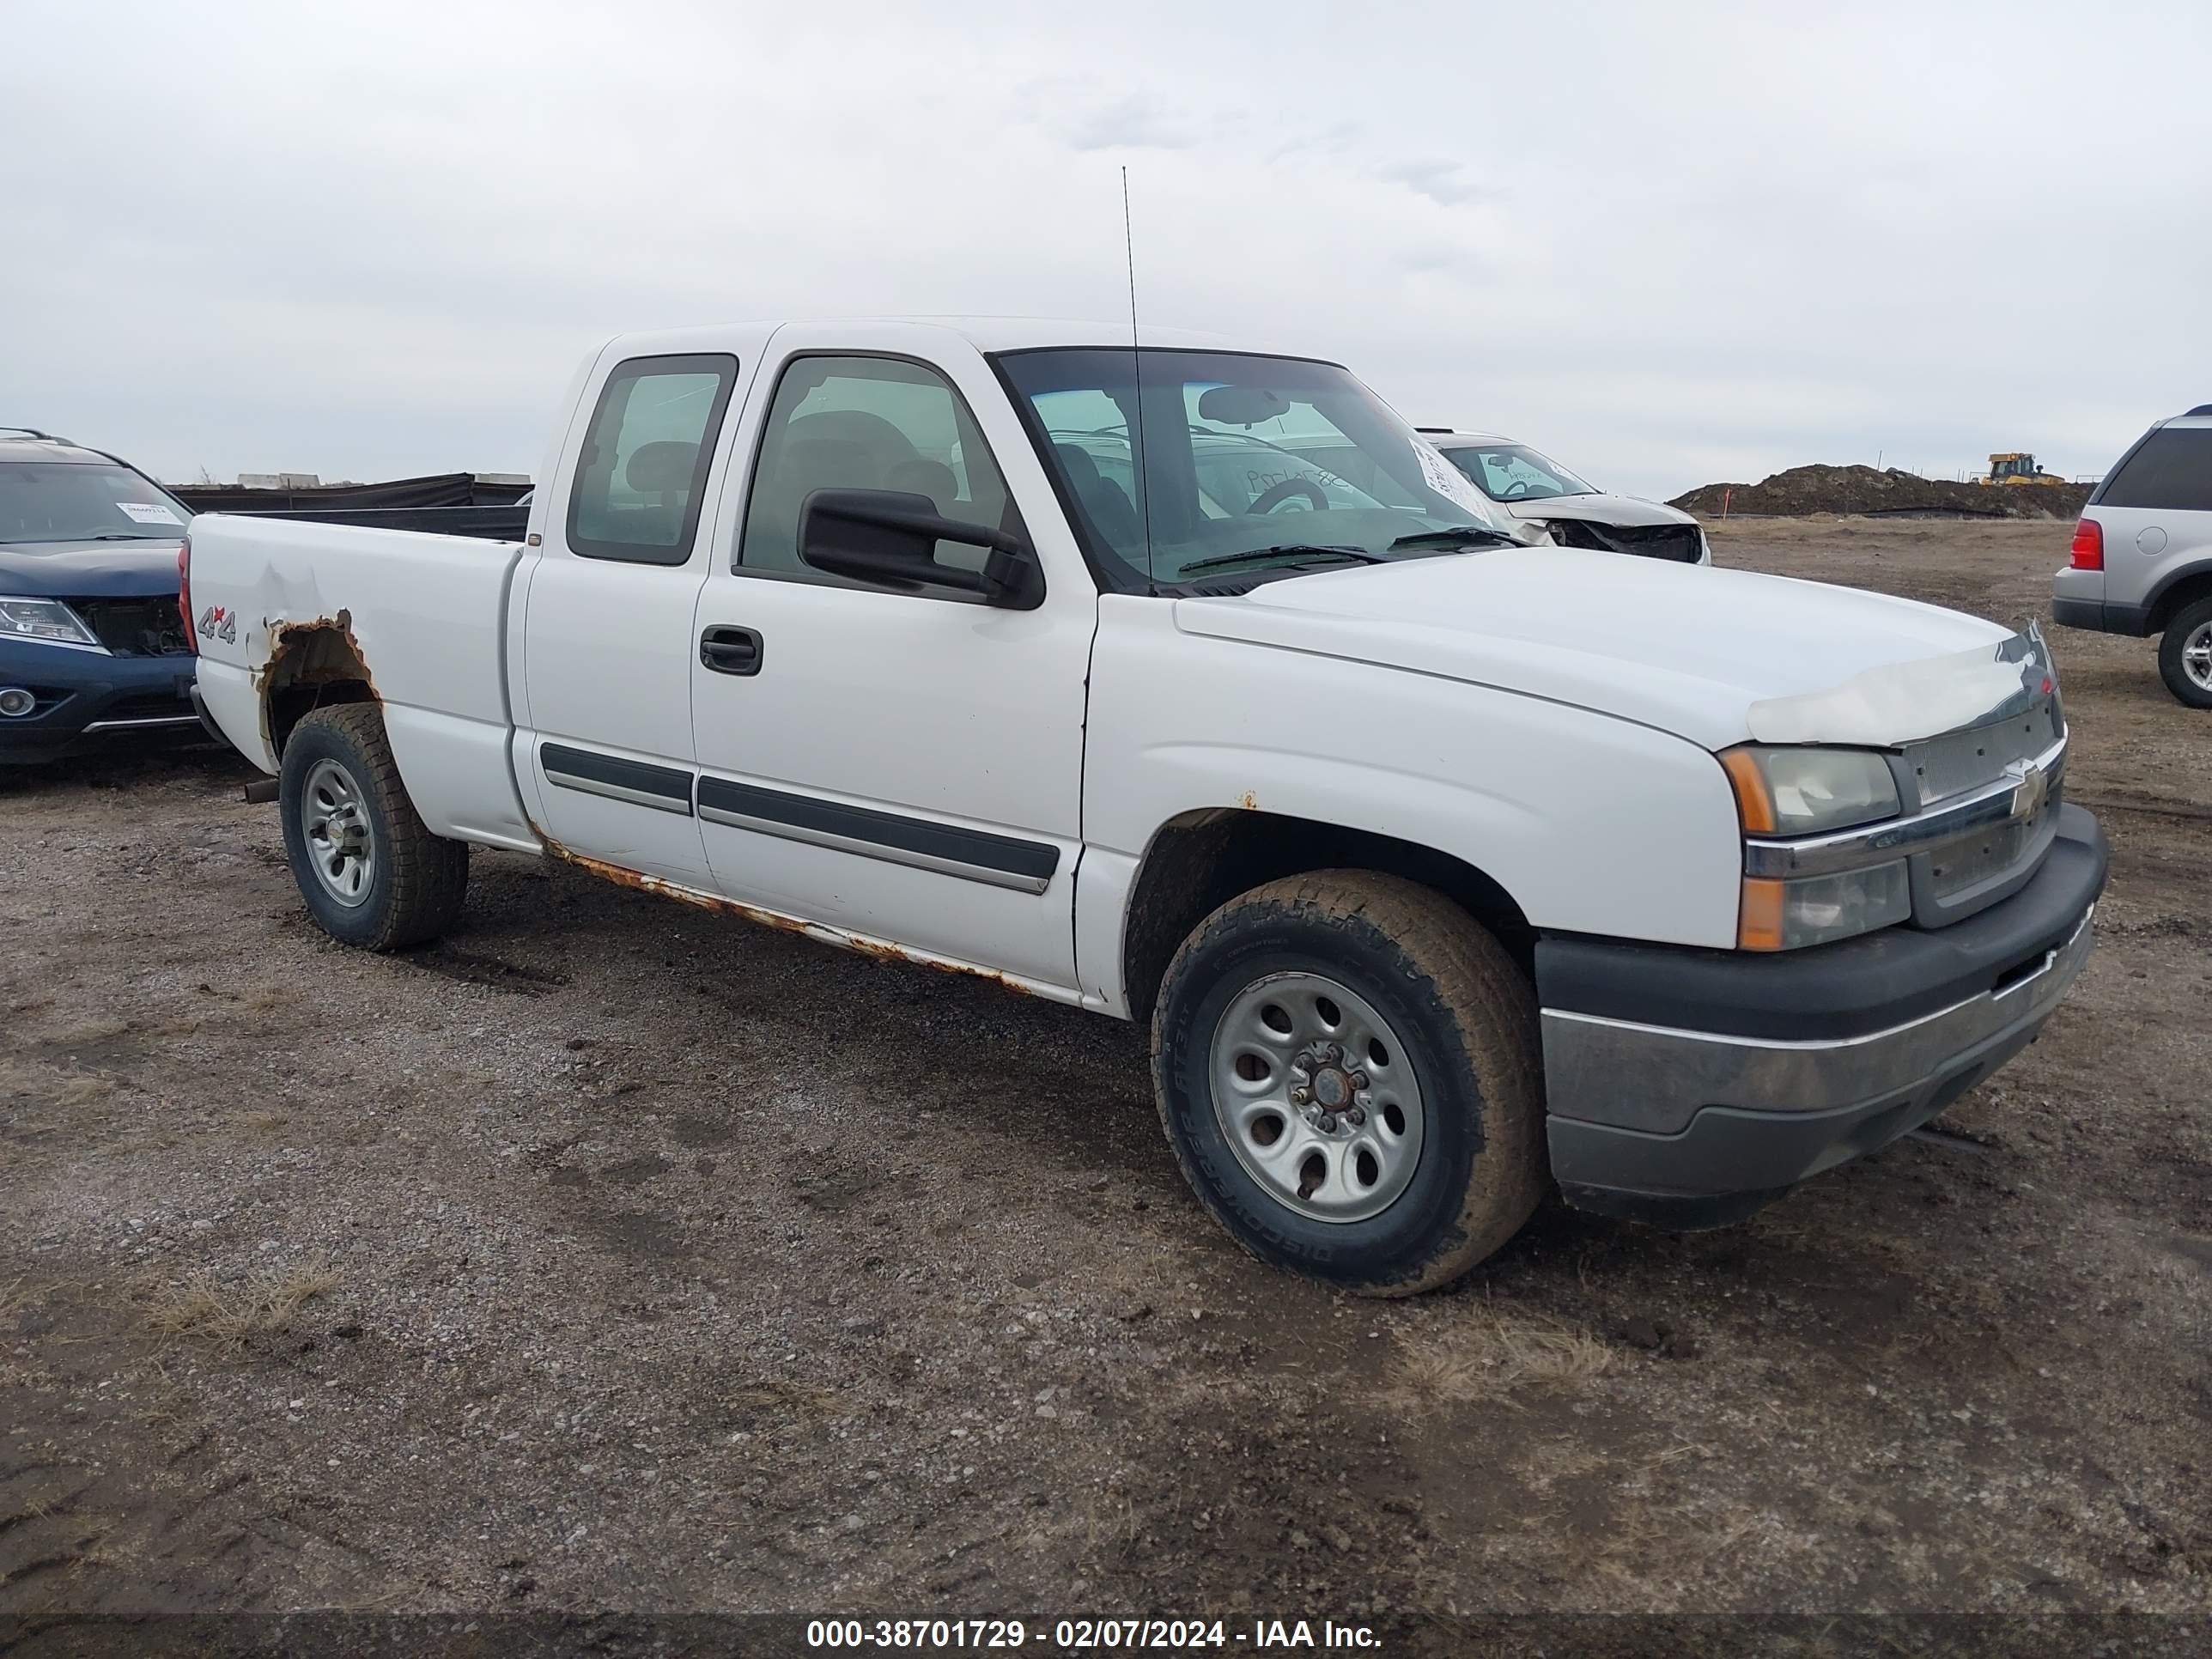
(185, 593)
(2088, 545)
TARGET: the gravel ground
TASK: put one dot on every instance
(613, 1255)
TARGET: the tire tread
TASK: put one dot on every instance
(426, 875)
(1488, 1000)
(2187, 622)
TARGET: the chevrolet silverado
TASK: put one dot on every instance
(1191, 685)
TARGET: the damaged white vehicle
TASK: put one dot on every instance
(1537, 492)
(1193, 686)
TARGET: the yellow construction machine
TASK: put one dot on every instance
(2017, 467)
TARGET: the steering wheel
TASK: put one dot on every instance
(1516, 490)
(1275, 495)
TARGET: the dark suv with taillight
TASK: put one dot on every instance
(93, 646)
(2143, 553)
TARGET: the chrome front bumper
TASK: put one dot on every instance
(1687, 1129)
(1656, 1079)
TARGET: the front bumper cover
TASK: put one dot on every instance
(1690, 1125)
(88, 698)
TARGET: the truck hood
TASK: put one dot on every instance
(1716, 656)
(1599, 508)
(85, 570)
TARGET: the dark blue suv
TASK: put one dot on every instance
(92, 646)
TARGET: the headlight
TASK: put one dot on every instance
(1810, 792)
(43, 619)
(1803, 792)
(1782, 915)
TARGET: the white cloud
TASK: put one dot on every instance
(1667, 244)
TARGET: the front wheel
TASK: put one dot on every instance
(1347, 1067)
(372, 872)
(2184, 655)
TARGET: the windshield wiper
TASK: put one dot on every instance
(1463, 536)
(1285, 550)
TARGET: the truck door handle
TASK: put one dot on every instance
(730, 650)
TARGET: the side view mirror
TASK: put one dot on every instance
(888, 539)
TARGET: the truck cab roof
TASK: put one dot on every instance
(985, 334)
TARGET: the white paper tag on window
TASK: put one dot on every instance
(149, 513)
(1447, 480)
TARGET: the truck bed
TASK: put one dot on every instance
(425, 616)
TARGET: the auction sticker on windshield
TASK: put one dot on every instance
(1447, 480)
(149, 513)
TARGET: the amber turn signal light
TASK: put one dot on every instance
(1759, 920)
(1753, 804)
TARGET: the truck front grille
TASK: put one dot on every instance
(2004, 848)
(1681, 543)
(1959, 762)
(1954, 882)
(149, 627)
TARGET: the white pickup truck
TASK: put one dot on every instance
(1191, 685)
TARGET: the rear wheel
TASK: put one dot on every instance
(1346, 1065)
(370, 870)
(2184, 655)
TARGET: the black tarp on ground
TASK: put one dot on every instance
(439, 490)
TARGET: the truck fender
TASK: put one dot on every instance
(1199, 860)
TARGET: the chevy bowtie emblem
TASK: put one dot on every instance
(2032, 791)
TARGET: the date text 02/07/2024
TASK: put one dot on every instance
(1085, 1635)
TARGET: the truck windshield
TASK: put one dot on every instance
(1515, 472)
(1246, 461)
(62, 501)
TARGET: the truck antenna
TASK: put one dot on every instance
(1137, 375)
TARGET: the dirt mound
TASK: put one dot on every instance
(1809, 490)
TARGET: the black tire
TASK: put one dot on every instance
(1466, 1017)
(2188, 622)
(414, 881)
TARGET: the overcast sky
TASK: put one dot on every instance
(1669, 243)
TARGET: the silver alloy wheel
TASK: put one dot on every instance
(1317, 1096)
(2196, 656)
(341, 847)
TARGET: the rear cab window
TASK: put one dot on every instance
(2170, 470)
(643, 468)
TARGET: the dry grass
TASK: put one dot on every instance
(1111, 1523)
(81, 1089)
(1487, 1357)
(53, 1087)
(84, 1033)
(201, 1309)
(774, 1412)
(1654, 1554)
(774, 1396)
(37, 1509)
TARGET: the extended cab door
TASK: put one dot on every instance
(603, 738)
(906, 766)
